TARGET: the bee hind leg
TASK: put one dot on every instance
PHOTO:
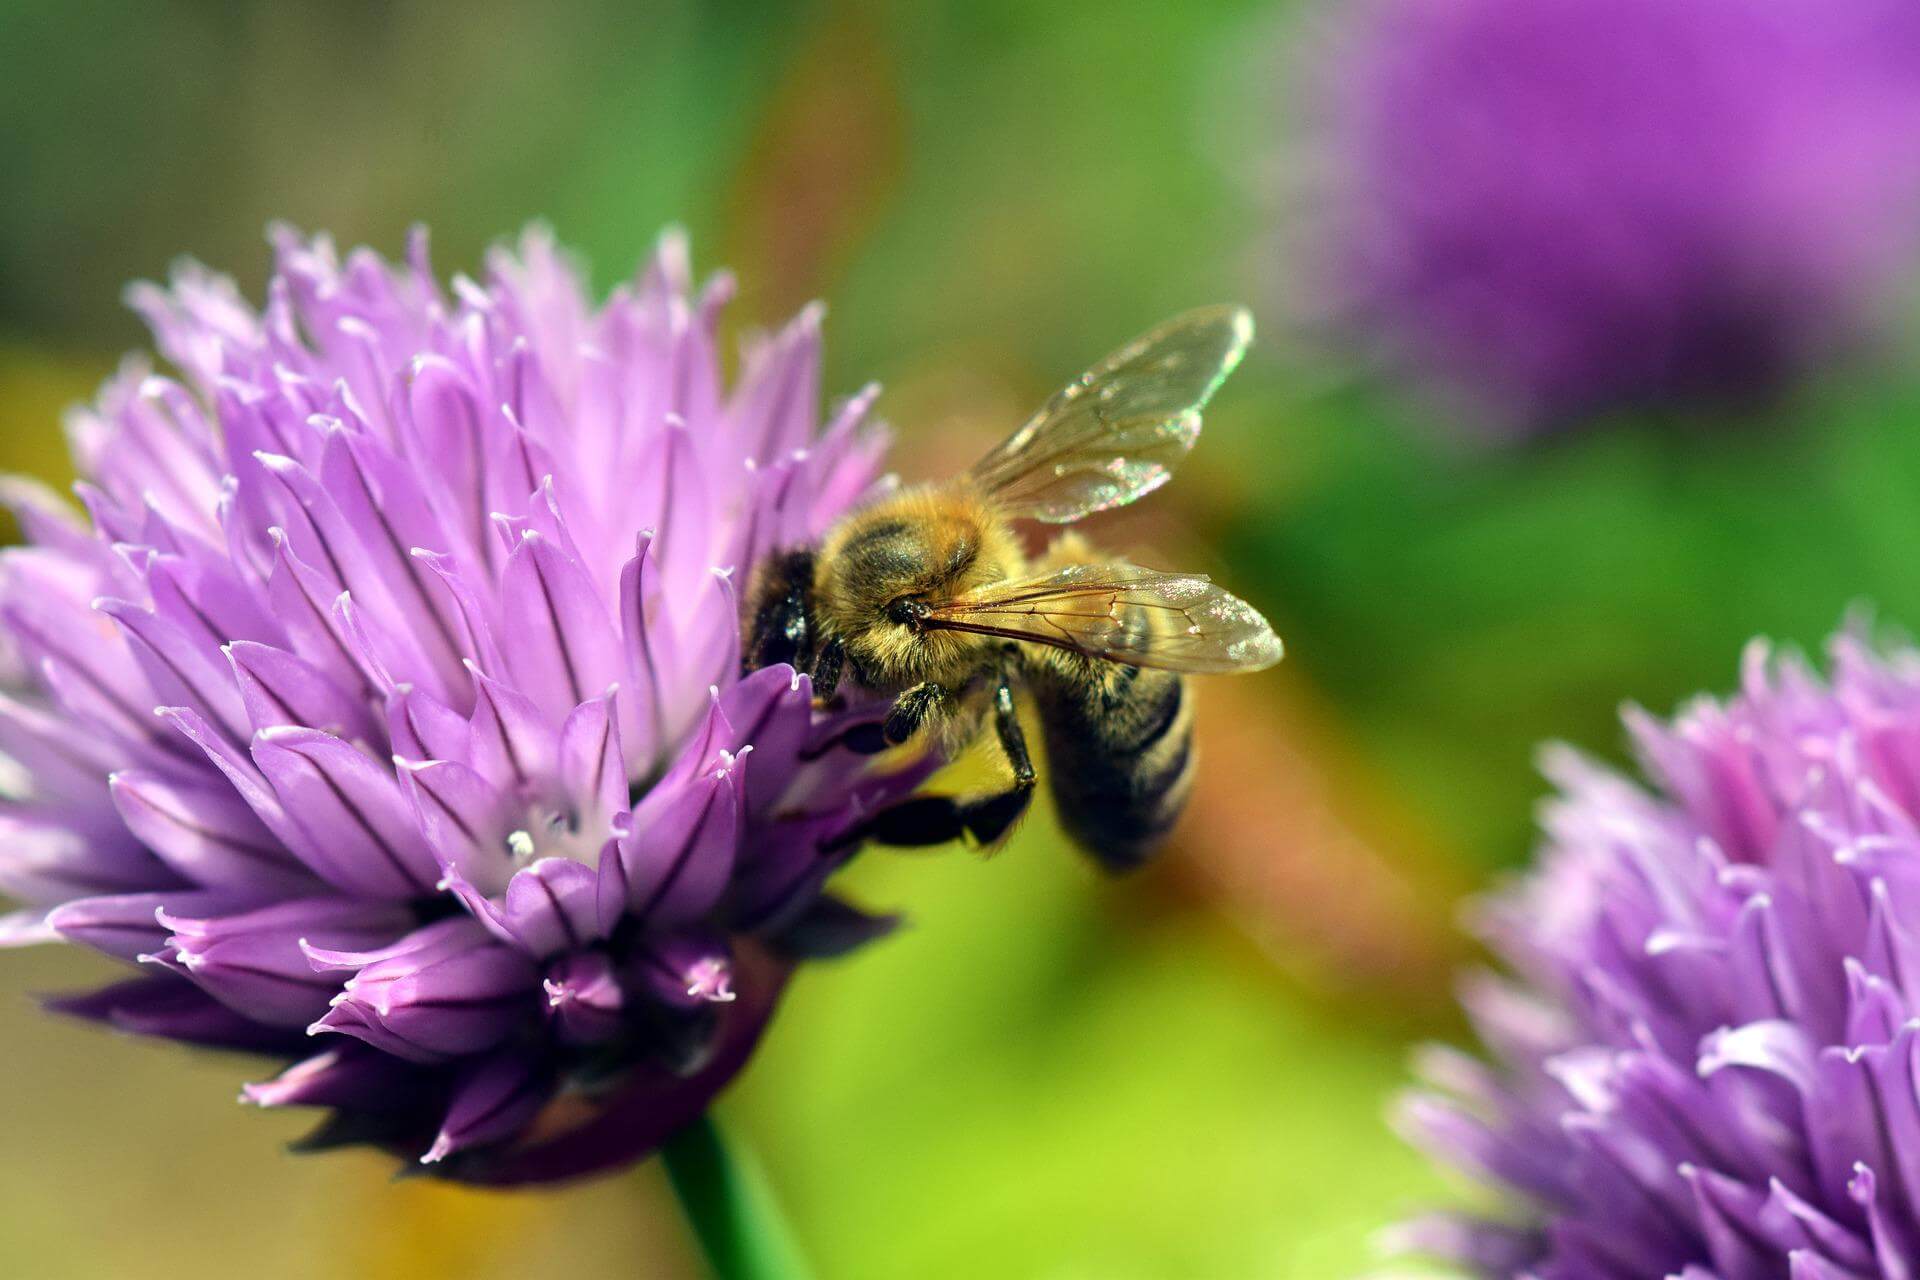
(925, 821)
(931, 820)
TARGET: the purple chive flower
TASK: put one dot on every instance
(1708, 1057)
(1560, 207)
(385, 708)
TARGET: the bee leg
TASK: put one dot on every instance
(1013, 738)
(781, 629)
(931, 820)
(827, 667)
(911, 824)
(911, 709)
(865, 739)
(989, 817)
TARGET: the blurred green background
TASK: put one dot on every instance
(1047, 1074)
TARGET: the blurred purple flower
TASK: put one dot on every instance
(1709, 1065)
(1562, 207)
(387, 708)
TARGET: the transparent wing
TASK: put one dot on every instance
(1120, 613)
(1117, 431)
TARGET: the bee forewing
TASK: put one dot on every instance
(1121, 613)
(1117, 431)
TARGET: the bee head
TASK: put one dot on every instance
(881, 571)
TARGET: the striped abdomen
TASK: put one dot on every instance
(1119, 756)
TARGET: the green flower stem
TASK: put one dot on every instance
(730, 1207)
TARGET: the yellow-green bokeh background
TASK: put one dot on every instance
(1047, 1074)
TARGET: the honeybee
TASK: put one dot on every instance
(927, 597)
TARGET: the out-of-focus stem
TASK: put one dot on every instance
(730, 1207)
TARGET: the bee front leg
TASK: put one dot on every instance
(912, 709)
(781, 626)
(827, 668)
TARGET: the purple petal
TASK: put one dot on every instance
(200, 593)
(45, 518)
(180, 671)
(773, 409)
(205, 833)
(421, 727)
(83, 658)
(53, 857)
(351, 808)
(252, 787)
(565, 649)
(27, 927)
(444, 431)
(59, 761)
(493, 1100)
(279, 688)
(585, 999)
(381, 501)
(673, 503)
(166, 1006)
(477, 633)
(685, 970)
(124, 925)
(347, 1075)
(550, 907)
(302, 600)
(592, 762)
(651, 655)
(705, 748)
(699, 636)
(362, 559)
(254, 963)
(465, 819)
(675, 863)
(771, 711)
(463, 995)
(510, 742)
(428, 943)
